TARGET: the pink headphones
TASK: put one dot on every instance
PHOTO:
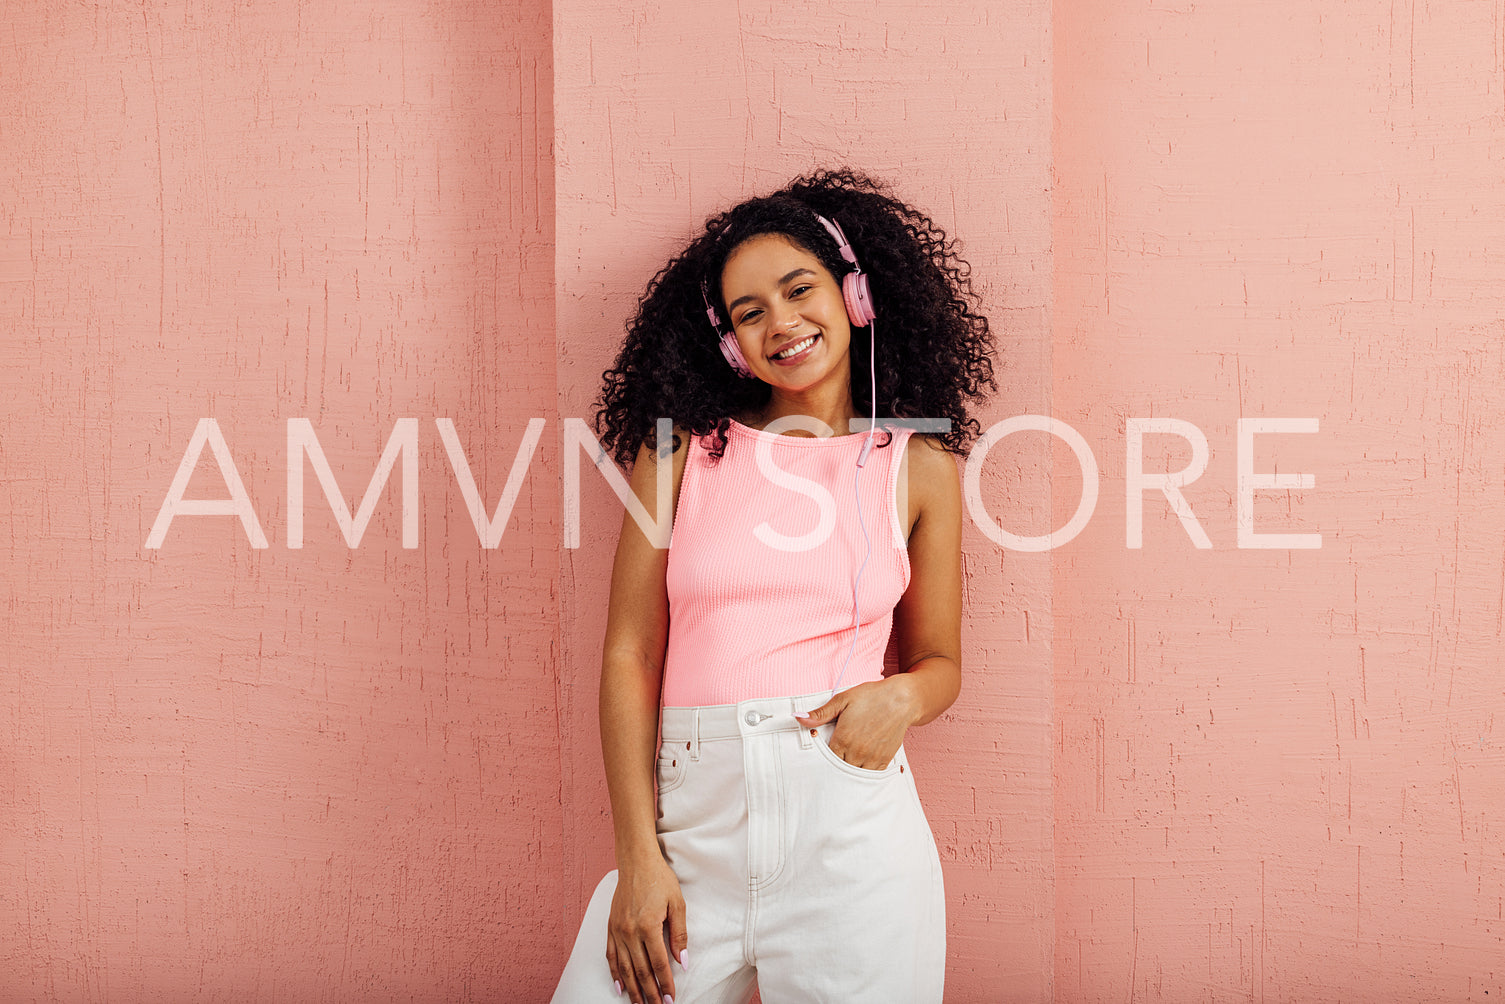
(855, 293)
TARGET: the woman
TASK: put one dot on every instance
(779, 841)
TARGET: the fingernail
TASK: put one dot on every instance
(618, 985)
(668, 999)
(684, 958)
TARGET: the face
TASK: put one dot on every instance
(787, 313)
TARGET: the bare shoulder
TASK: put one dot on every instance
(928, 457)
(929, 472)
(645, 468)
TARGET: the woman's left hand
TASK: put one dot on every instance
(871, 719)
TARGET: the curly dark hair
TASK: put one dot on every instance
(934, 350)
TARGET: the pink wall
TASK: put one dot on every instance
(371, 773)
(1277, 775)
(273, 774)
(665, 114)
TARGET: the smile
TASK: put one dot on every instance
(799, 348)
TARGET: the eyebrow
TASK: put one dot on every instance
(792, 275)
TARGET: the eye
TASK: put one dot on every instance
(801, 289)
(750, 315)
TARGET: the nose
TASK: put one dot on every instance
(787, 318)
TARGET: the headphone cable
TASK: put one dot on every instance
(867, 447)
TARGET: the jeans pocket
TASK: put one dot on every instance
(823, 745)
(670, 771)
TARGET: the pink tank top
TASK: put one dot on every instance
(761, 566)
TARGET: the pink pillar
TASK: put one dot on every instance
(274, 774)
(1277, 775)
(954, 110)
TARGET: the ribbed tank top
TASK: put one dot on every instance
(753, 615)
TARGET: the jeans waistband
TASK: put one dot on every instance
(731, 721)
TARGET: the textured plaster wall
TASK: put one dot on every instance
(230, 773)
(668, 113)
(1278, 772)
(361, 771)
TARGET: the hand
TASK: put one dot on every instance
(646, 902)
(871, 719)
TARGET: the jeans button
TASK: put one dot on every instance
(751, 718)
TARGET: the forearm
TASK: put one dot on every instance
(930, 686)
(629, 703)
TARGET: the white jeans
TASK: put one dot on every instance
(816, 878)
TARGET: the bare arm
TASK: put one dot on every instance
(632, 664)
(928, 618)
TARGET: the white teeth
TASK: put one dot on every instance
(796, 348)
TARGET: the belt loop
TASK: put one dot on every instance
(695, 734)
(805, 737)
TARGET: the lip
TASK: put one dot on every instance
(798, 357)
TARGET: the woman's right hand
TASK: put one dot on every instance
(638, 946)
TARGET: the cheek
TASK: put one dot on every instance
(751, 344)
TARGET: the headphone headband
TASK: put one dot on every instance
(842, 244)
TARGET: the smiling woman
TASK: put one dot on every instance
(768, 830)
(934, 361)
(791, 326)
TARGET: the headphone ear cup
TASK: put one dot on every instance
(733, 353)
(859, 299)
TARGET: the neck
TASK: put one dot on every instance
(833, 407)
